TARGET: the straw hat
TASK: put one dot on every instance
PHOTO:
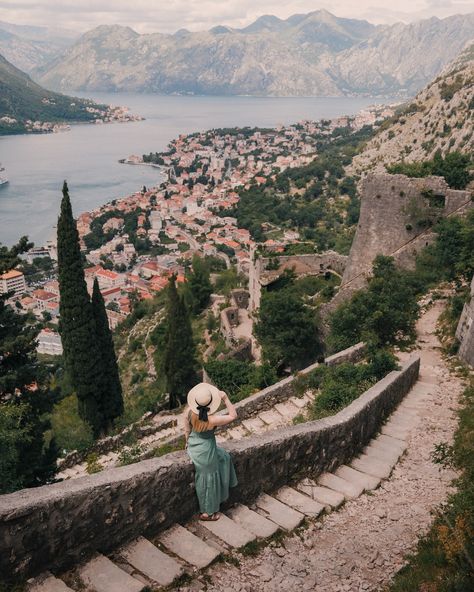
(204, 396)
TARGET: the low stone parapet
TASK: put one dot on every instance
(59, 525)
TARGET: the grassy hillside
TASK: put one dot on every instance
(22, 99)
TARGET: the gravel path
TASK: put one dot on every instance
(363, 545)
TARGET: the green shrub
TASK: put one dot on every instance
(340, 385)
(70, 432)
(93, 464)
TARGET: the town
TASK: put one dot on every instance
(134, 244)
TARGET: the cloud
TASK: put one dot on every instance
(147, 16)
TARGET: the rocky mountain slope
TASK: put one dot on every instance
(30, 47)
(313, 54)
(440, 117)
(21, 100)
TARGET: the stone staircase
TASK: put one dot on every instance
(172, 426)
(184, 550)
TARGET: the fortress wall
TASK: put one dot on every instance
(465, 330)
(59, 525)
(386, 227)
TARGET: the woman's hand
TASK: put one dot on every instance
(223, 395)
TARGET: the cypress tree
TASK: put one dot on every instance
(179, 360)
(77, 325)
(112, 400)
(199, 285)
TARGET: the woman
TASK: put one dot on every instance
(214, 469)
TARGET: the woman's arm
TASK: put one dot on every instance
(222, 420)
(187, 426)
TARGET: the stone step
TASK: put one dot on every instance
(390, 440)
(389, 444)
(368, 482)
(400, 433)
(188, 546)
(348, 490)
(229, 531)
(237, 433)
(410, 406)
(328, 497)
(287, 409)
(278, 512)
(383, 454)
(253, 424)
(299, 501)
(423, 388)
(271, 417)
(372, 466)
(298, 402)
(428, 379)
(253, 521)
(101, 575)
(156, 565)
(402, 421)
(47, 583)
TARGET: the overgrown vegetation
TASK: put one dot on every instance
(27, 456)
(454, 167)
(339, 385)
(240, 379)
(287, 327)
(384, 313)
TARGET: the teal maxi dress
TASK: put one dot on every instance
(215, 471)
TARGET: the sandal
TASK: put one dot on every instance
(209, 518)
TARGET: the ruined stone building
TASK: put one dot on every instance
(266, 269)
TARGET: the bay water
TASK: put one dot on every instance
(87, 156)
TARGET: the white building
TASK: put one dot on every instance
(12, 281)
(155, 220)
(49, 342)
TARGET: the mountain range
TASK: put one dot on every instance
(28, 47)
(315, 54)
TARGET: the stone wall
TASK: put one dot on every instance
(229, 319)
(465, 330)
(391, 206)
(59, 525)
(240, 298)
(241, 352)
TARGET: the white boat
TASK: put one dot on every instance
(3, 178)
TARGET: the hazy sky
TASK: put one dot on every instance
(167, 16)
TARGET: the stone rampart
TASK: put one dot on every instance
(465, 330)
(59, 525)
(394, 220)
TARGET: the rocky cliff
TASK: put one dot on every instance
(313, 54)
(440, 117)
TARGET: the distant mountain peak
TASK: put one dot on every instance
(220, 30)
(310, 54)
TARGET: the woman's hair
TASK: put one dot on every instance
(197, 424)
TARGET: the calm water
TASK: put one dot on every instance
(87, 156)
